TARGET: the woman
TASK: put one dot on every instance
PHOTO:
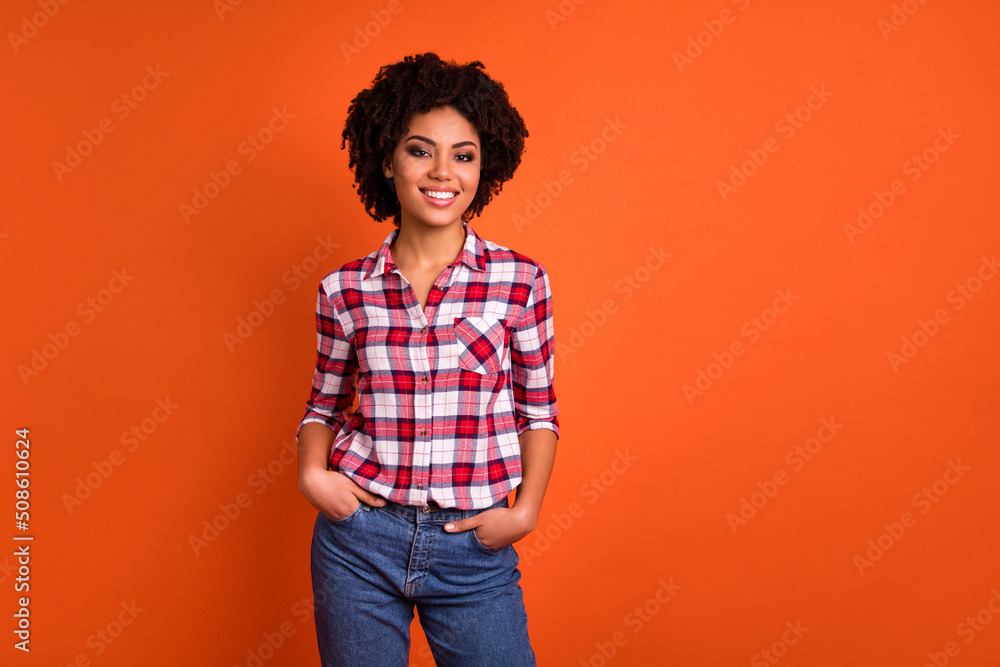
(447, 341)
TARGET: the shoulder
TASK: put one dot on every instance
(348, 275)
(513, 265)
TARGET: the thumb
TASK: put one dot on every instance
(372, 499)
(459, 526)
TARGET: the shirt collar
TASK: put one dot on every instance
(471, 255)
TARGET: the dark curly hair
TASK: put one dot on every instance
(379, 115)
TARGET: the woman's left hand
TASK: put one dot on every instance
(497, 528)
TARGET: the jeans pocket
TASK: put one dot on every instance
(482, 547)
(350, 517)
(481, 342)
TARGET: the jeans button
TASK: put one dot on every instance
(426, 509)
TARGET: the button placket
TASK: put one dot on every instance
(422, 409)
(423, 405)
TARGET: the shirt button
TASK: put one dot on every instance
(423, 431)
(423, 379)
(420, 486)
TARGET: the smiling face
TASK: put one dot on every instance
(435, 167)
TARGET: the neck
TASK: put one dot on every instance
(419, 245)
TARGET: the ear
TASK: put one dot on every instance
(387, 166)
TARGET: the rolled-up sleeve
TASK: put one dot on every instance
(533, 360)
(333, 386)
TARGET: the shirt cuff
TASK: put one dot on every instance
(552, 425)
(333, 424)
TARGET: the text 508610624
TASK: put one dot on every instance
(22, 551)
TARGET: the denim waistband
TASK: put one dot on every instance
(434, 512)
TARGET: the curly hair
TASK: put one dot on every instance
(380, 115)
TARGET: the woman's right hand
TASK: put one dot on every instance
(333, 493)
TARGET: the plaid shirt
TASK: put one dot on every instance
(444, 391)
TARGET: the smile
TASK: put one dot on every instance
(438, 194)
(440, 198)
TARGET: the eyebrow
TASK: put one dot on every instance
(426, 140)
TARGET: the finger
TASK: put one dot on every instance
(364, 495)
(372, 499)
(459, 526)
(471, 522)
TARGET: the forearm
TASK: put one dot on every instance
(315, 443)
(538, 455)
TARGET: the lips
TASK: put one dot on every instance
(438, 193)
(439, 196)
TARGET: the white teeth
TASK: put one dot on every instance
(439, 195)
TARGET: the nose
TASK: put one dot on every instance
(441, 169)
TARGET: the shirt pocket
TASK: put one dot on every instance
(481, 343)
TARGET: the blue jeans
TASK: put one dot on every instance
(370, 568)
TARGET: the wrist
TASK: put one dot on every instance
(527, 514)
(308, 476)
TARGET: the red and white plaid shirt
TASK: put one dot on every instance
(443, 391)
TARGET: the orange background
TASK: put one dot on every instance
(619, 379)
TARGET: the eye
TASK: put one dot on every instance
(417, 152)
(466, 157)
